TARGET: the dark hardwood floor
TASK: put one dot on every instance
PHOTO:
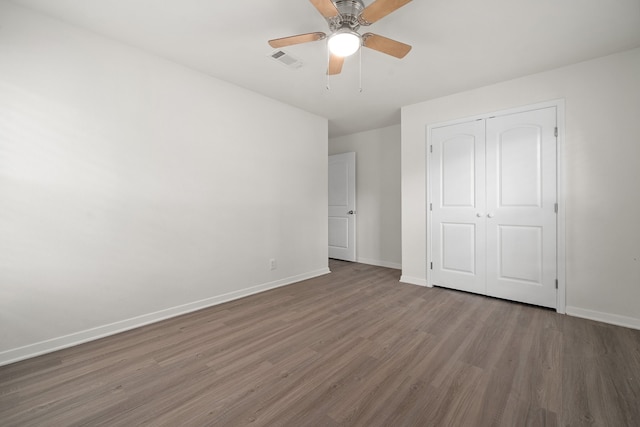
(351, 348)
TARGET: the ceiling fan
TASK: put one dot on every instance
(345, 18)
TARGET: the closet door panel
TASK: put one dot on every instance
(458, 225)
(521, 198)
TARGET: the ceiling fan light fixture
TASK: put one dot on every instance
(344, 42)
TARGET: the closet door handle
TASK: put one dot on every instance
(479, 215)
(490, 215)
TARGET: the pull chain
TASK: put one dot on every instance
(328, 87)
(360, 60)
(328, 62)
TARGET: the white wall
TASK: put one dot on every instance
(378, 193)
(132, 188)
(601, 168)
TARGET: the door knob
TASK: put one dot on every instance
(490, 215)
(479, 215)
(351, 212)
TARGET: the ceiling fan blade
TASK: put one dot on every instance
(379, 9)
(326, 8)
(335, 64)
(300, 38)
(385, 45)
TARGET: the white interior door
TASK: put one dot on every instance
(342, 206)
(493, 203)
(521, 201)
(458, 206)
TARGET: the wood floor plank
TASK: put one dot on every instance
(601, 384)
(352, 348)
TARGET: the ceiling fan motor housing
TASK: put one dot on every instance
(350, 11)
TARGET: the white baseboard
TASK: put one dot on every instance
(379, 263)
(59, 343)
(614, 319)
(414, 281)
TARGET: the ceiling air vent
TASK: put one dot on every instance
(285, 59)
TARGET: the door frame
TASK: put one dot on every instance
(560, 230)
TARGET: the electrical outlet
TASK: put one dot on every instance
(273, 264)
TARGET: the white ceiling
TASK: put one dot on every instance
(457, 45)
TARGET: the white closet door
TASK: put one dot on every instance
(458, 206)
(521, 200)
